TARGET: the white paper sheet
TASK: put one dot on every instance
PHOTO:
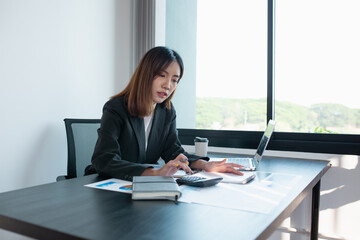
(261, 195)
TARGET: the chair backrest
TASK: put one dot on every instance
(81, 139)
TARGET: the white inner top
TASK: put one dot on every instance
(147, 123)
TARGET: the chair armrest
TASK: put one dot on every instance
(61, 178)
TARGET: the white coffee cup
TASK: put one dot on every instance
(201, 145)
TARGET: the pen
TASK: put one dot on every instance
(248, 179)
(186, 161)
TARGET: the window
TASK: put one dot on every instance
(231, 65)
(316, 66)
(307, 85)
(229, 55)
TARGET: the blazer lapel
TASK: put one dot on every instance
(139, 129)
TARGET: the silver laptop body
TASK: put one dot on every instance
(250, 164)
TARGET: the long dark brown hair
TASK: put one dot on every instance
(137, 93)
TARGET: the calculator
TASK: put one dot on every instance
(198, 181)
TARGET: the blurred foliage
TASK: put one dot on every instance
(228, 113)
(250, 114)
(322, 130)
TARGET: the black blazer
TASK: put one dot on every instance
(120, 148)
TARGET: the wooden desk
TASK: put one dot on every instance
(68, 210)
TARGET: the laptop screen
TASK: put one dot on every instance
(265, 140)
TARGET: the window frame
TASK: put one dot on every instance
(282, 141)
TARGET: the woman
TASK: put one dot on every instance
(138, 125)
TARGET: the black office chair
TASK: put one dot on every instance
(81, 139)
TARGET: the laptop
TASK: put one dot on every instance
(250, 164)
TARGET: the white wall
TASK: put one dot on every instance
(58, 59)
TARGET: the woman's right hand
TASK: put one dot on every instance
(170, 168)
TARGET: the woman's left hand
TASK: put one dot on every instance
(222, 166)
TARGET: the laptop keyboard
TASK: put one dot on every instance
(241, 161)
